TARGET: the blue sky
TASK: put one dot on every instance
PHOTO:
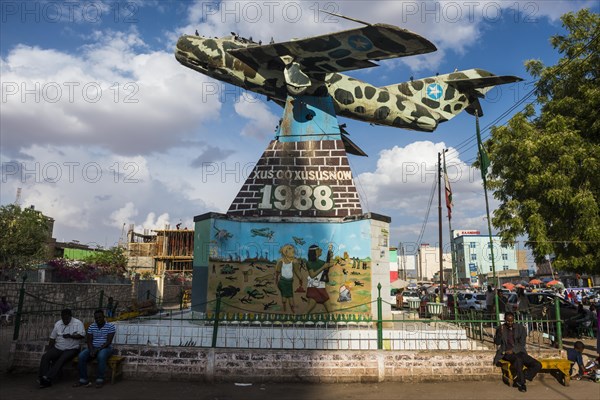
(101, 127)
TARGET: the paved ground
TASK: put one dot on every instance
(17, 387)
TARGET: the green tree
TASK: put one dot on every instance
(112, 261)
(545, 164)
(24, 237)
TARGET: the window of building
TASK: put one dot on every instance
(505, 256)
(473, 257)
(490, 268)
(504, 267)
(472, 245)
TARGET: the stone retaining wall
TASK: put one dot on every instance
(235, 365)
(54, 296)
(73, 295)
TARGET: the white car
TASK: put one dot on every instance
(472, 301)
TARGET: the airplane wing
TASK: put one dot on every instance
(339, 51)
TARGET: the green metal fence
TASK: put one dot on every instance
(439, 327)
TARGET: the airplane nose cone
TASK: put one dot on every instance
(187, 51)
(184, 45)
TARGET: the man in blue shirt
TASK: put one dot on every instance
(99, 336)
(575, 355)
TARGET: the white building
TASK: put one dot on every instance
(474, 256)
(428, 262)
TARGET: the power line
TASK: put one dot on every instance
(433, 187)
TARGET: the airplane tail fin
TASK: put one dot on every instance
(450, 94)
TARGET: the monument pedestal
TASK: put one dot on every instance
(297, 212)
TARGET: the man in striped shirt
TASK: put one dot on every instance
(99, 336)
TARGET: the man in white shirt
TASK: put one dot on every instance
(63, 346)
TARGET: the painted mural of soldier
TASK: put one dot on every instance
(286, 268)
(316, 291)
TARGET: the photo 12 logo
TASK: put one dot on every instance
(53, 92)
(69, 171)
(94, 12)
(270, 11)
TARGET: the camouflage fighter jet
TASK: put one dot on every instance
(313, 66)
(264, 232)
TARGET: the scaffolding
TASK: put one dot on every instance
(175, 251)
(163, 250)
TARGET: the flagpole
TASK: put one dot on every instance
(449, 209)
(484, 163)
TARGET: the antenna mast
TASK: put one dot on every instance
(18, 198)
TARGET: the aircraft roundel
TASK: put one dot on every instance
(360, 43)
(434, 91)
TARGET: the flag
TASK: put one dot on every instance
(449, 203)
(484, 160)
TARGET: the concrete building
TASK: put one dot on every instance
(428, 262)
(402, 265)
(474, 257)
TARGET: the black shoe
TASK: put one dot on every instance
(522, 388)
(44, 383)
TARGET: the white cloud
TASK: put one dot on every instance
(113, 94)
(401, 187)
(152, 222)
(262, 121)
(91, 192)
(124, 215)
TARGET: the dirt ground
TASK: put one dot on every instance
(544, 387)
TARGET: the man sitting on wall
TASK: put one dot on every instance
(64, 343)
(511, 339)
(100, 335)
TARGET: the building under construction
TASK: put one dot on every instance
(160, 251)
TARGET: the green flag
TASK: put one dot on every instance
(484, 160)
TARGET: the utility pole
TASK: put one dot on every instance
(441, 251)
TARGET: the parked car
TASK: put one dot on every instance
(542, 305)
(472, 301)
(592, 296)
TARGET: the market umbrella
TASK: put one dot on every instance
(535, 282)
(399, 284)
(520, 286)
(554, 282)
(508, 285)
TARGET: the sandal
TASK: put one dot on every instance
(80, 384)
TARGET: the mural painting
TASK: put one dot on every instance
(290, 268)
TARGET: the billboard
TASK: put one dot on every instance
(473, 273)
(457, 233)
